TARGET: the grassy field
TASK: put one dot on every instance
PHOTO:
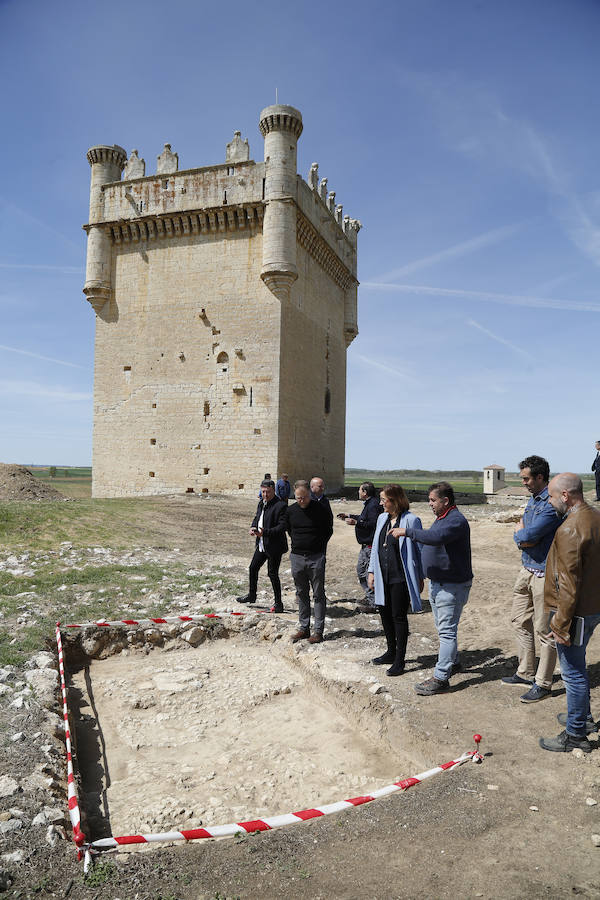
(121, 523)
(464, 482)
(72, 482)
(77, 483)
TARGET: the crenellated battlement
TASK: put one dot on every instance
(349, 226)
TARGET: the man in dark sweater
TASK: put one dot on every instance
(446, 559)
(269, 527)
(310, 527)
(365, 525)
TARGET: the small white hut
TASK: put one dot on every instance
(493, 479)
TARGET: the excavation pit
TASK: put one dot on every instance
(229, 731)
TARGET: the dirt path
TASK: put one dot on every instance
(518, 825)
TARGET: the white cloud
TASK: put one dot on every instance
(457, 250)
(9, 388)
(486, 296)
(63, 270)
(389, 370)
(498, 339)
(474, 124)
(60, 362)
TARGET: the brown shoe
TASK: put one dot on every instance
(300, 635)
(316, 638)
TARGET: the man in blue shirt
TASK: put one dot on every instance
(283, 488)
(533, 537)
(446, 560)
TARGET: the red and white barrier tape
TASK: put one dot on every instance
(78, 835)
(270, 822)
(218, 831)
(161, 621)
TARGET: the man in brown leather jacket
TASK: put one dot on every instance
(571, 590)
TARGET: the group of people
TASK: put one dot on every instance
(555, 596)
(309, 522)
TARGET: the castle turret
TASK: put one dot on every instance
(107, 164)
(281, 126)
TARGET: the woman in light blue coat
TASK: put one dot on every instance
(396, 574)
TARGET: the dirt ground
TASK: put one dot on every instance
(17, 483)
(520, 824)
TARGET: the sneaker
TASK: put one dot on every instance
(432, 686)
(277, 608)
(384, 660)
(246, 599)
(591, 727)
(535, 693)
(564, 743)
(515, 679)
(300, 635)
(316, 638)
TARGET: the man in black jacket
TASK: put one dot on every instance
(596, 469)
(365, 525)
(310, 527)
(269, 527)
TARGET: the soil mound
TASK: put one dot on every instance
(17, 483)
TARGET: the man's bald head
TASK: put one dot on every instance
(565, 491)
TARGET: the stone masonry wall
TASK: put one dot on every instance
(159, 362)
(311, 440)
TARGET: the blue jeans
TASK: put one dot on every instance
(447, 602)
(575, 679)
(362, 569)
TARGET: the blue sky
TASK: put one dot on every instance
(464, 136)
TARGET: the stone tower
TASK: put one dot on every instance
(225, 300)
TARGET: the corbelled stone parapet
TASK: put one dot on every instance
(202, 221)
(280, 118)
(103, 153)
(313, 243)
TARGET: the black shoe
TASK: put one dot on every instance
(515, 680)
(278, 608)
(387, 658)
(246, 599)
(396, 669)
(564, 743)
(591, 727)
(535, 694)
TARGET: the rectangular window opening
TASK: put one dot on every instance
(127, 368)
(151, 474)
(153, 441)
